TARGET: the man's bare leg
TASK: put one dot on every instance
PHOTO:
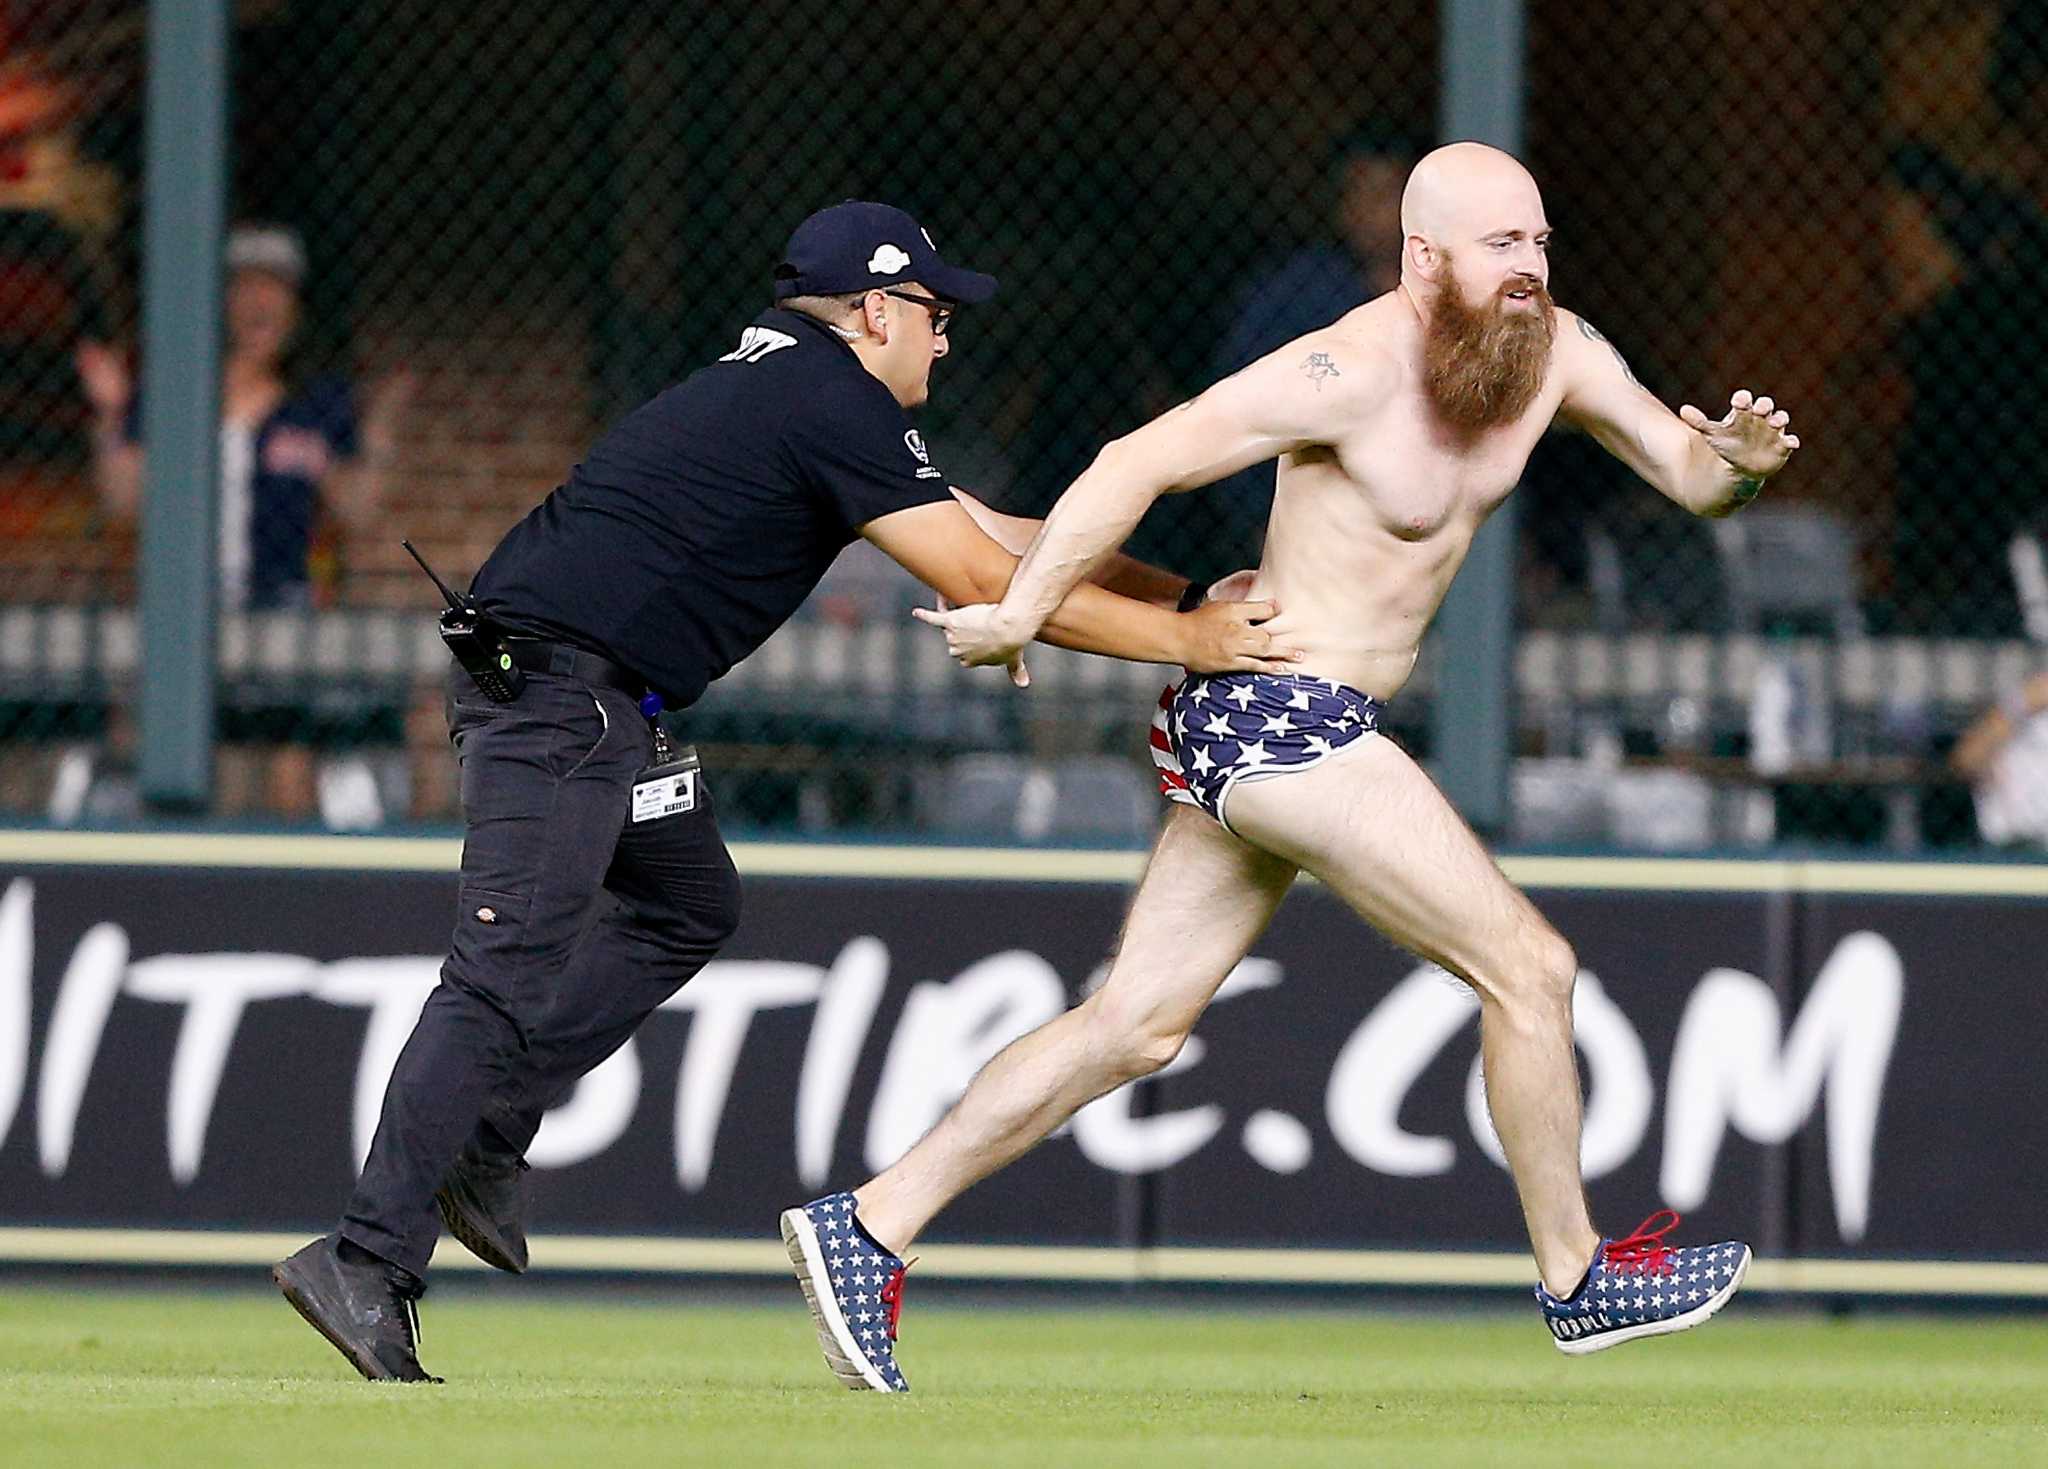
(1372, 827)
(1204, 900)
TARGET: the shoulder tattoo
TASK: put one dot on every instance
(1592, 333)
(1317, 366)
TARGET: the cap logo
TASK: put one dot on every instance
(914, 441)
(927, 236)
(887, 260)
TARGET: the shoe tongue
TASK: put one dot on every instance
(402, 1280)
(351, 1253)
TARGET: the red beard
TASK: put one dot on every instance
(1484, 365)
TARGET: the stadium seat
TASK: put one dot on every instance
(1790, 563)
(1096, 798)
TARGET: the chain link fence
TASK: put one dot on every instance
(469, 236)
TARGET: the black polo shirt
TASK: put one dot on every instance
(701, 522)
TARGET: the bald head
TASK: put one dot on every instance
(1464, 191)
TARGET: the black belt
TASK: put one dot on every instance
(537, 656)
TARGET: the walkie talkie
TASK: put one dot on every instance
(478, 643)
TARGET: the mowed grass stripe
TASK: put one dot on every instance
(235, 1379)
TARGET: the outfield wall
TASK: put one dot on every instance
(1839, 1062)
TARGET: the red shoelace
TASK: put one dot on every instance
(892, 1295)
(1644, 1252)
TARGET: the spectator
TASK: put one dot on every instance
(1313, 287)
(290, 441)
(1320, 282)
(2004, 757)
(291, 449)
(1971, 462)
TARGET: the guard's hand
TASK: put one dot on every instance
(978, 638)
(1227, 637)
(1753, 438)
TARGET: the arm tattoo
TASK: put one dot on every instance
(1592, 334)
(1317, 366)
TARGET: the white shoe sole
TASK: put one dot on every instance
(848, 1362)
(1703, 1311)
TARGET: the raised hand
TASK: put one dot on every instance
(1752, 439)
(103, 372)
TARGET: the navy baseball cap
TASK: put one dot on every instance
(858, 246)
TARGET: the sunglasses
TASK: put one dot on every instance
(941, 310)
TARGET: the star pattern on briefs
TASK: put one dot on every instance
(1216, 729)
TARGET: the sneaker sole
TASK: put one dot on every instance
(848, 1363)
(1702, 1312)
(486, 1248)
(298, 1293)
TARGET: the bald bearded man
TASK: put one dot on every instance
(1398, 429)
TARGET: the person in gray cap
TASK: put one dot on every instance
(300, 451)
(594, 880)
(293, 443)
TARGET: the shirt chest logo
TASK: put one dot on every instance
(914, 441)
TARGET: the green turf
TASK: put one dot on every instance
(233, 1378)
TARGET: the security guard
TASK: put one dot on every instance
(594, 881)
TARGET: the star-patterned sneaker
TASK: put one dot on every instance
(855, 1291)
(1639, 1286)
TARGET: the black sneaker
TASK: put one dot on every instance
(483, 1203)
(367, 1311)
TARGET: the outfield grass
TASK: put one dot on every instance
(232, 1378)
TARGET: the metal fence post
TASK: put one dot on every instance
(183, 223)
(1472, 712)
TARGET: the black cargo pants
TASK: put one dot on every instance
(572, 925)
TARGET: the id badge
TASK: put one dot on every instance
(668, 789)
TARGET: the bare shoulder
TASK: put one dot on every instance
(1369, 342)
(1583, 349)
(1314, 390)
(1343, 367)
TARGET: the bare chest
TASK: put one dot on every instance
(1415, 484)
